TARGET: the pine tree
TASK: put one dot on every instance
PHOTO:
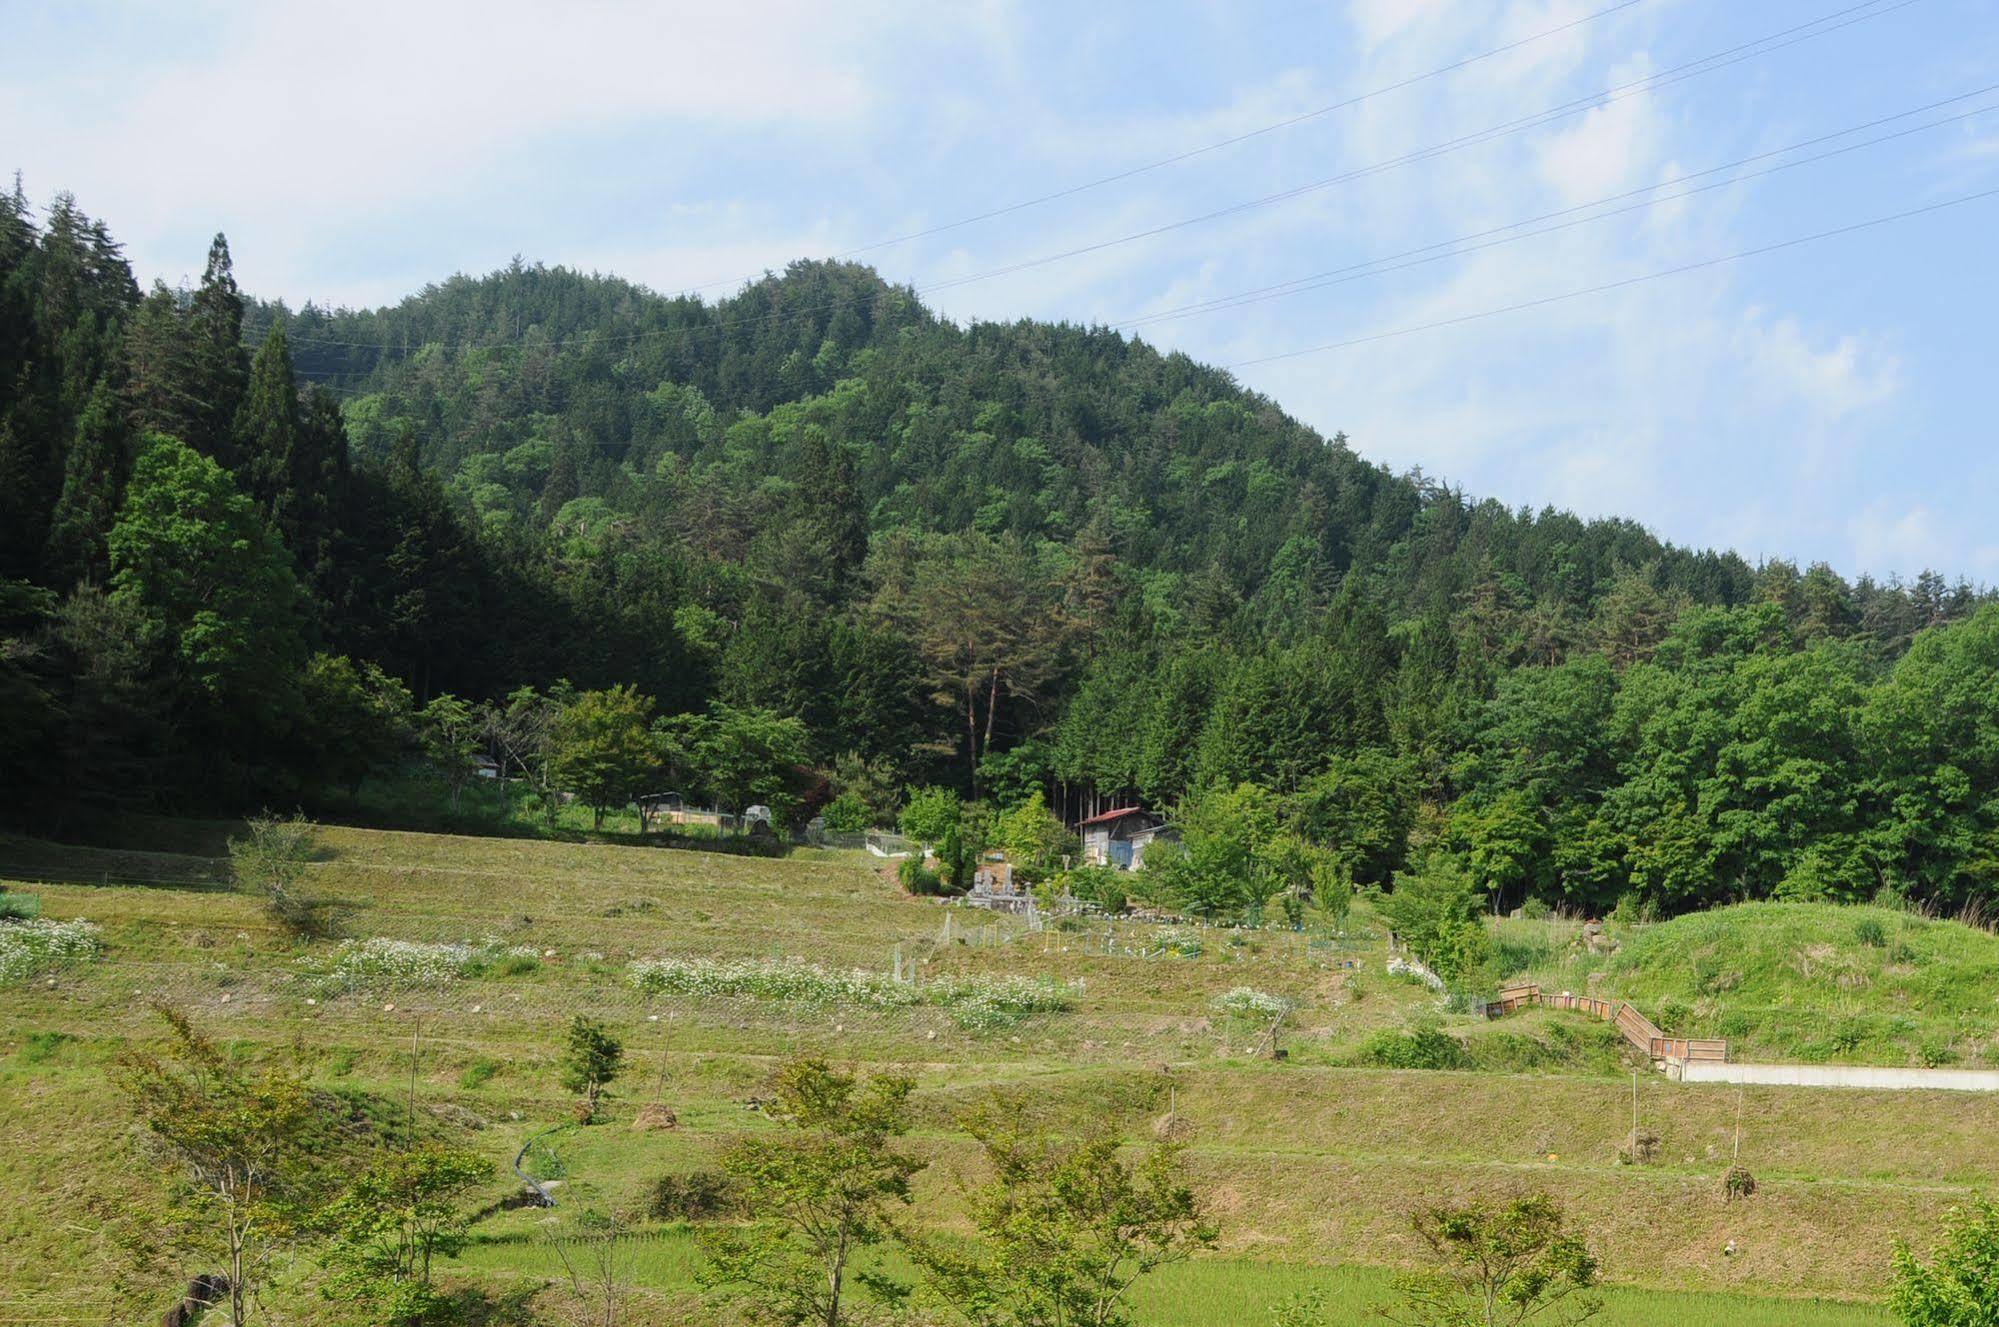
(213, 367)
(93, 481)
(26, 465)
(319, 477)
(267, 436)
(17, 275)
(562, 485)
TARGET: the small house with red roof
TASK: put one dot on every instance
(1118, 838)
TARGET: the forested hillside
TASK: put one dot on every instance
(244, 550)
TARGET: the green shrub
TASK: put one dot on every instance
(1100, 886)
(41, 1047)
(1436, 912)
(478, 1073)
(18, 907)
(269, 863)
(918, 878)
(1631, 910)
(700, 1195)
(929, 813)
(848, 814)
(1534, 910)
(1870, 932)
(1936, 1052)
(1419, 1048)
(1847, 1034)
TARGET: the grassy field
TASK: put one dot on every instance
(1222, 1292)
(1796, 981)
(1312, 1164)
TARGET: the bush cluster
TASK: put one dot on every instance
(1419, 1048)
(700, 1195)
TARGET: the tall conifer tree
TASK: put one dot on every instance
(214, 367)
(93, 482)
(267, 436)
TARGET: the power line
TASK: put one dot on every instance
(1608, 286)
(1468, 244)
(1791, 36)
(1565, 110)
(1217, 146)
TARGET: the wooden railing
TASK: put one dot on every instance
(1637, 1029)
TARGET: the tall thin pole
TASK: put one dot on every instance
(416, 1026)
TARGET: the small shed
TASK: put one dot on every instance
(657, 808)
(1119, 838)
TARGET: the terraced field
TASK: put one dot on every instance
(1311, 1163)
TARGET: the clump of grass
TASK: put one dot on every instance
(41, 1047)
(518, 961)
(34, 944)
(478, 1073)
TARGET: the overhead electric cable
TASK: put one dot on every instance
(1480, 240)
(1216, 146)
(1608, 286)
(1827, 23)
(1565, 110)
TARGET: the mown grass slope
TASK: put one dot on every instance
(1311, 1163)
(1812, 982)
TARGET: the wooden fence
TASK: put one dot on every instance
(1637, 1029)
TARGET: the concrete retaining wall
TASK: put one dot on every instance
(1839, 1075)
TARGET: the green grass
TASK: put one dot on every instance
(1230, 1292)
(1810, 982)
(1308, 1163)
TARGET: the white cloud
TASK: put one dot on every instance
(1379, 21)
(349, 115)
(1845, 376)
(1608, 150)
(1894, 540)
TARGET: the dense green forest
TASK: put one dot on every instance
(252, 556)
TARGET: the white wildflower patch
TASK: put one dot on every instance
(978, 1003)
(382, 964)
(35, 943)
(769, 979)
(989, 1004)
(1248, 1002)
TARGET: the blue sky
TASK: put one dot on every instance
(1833, 401)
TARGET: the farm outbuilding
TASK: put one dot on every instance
(1119, 838)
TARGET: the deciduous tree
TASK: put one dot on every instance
(824, 1186)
